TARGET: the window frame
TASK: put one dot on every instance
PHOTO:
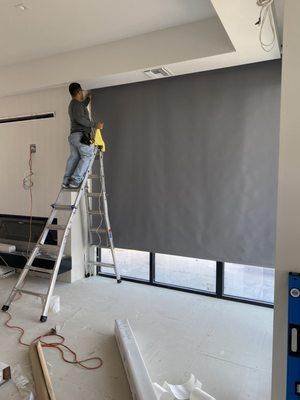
(220, 279)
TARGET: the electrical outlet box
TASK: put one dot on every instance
(33, 148)
(5, 373)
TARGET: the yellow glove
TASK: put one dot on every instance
(98, 140)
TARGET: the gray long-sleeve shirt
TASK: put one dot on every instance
(79, 116)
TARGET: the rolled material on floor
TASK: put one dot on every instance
(161, 393)
(183, 391)
(138, 377)
(199, 394)
(43, 386)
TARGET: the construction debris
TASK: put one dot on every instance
(43, 386)
(5, 373)
(191, 390)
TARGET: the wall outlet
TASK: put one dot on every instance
(33, 148)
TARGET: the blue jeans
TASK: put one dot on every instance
(79, 159)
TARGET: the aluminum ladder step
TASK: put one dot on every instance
(42, 270)
(94, 176)
(94, 194)
(96, 212)
(101, 264)
(68, 189)
(38, 294)
(98, 230)
(54, 227)
(63, 207)
(47, 254)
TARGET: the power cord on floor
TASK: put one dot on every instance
(59, 345)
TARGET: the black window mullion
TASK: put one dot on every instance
(152, 268)
(220, 279)
(98, 259)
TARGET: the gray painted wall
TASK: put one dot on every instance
(191, 163)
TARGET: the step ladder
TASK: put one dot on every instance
(97, 208)
(41, 249)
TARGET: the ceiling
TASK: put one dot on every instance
(110, 42)
(51, 27)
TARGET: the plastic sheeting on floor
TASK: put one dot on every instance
(191, 390)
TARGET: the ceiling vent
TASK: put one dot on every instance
(155, 73)
(21, 7)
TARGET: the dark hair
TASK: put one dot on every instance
(74, 88)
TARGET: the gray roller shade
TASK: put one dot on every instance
(191, 163)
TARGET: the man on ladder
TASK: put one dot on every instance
(78, 173)
(80, 138)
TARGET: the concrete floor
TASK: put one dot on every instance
(226, 345)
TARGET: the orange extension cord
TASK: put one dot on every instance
(59, 345)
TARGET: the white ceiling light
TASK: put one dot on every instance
(155, 73)
(21, 6)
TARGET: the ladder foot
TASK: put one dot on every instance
(43, 318)
(119, 280)
(5, 308)
(87, 275)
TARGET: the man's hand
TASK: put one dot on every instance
(100, 125)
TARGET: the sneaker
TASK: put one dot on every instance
(65, 185)
(74, 185)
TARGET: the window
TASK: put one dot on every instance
(245, 283)
(185, 272)
(131, 263)
(249, 282)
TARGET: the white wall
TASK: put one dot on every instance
(288, 220)
(50, 136)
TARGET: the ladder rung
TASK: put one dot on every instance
(94, 176)
(47, 254)
(102, 264)
(68, 189)
(31, 293)
(94, 194)
(99, 230)
(91, 212)
(43, 270)
(54, 227)
(39, 246)
(102, 246)
(63, 206)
